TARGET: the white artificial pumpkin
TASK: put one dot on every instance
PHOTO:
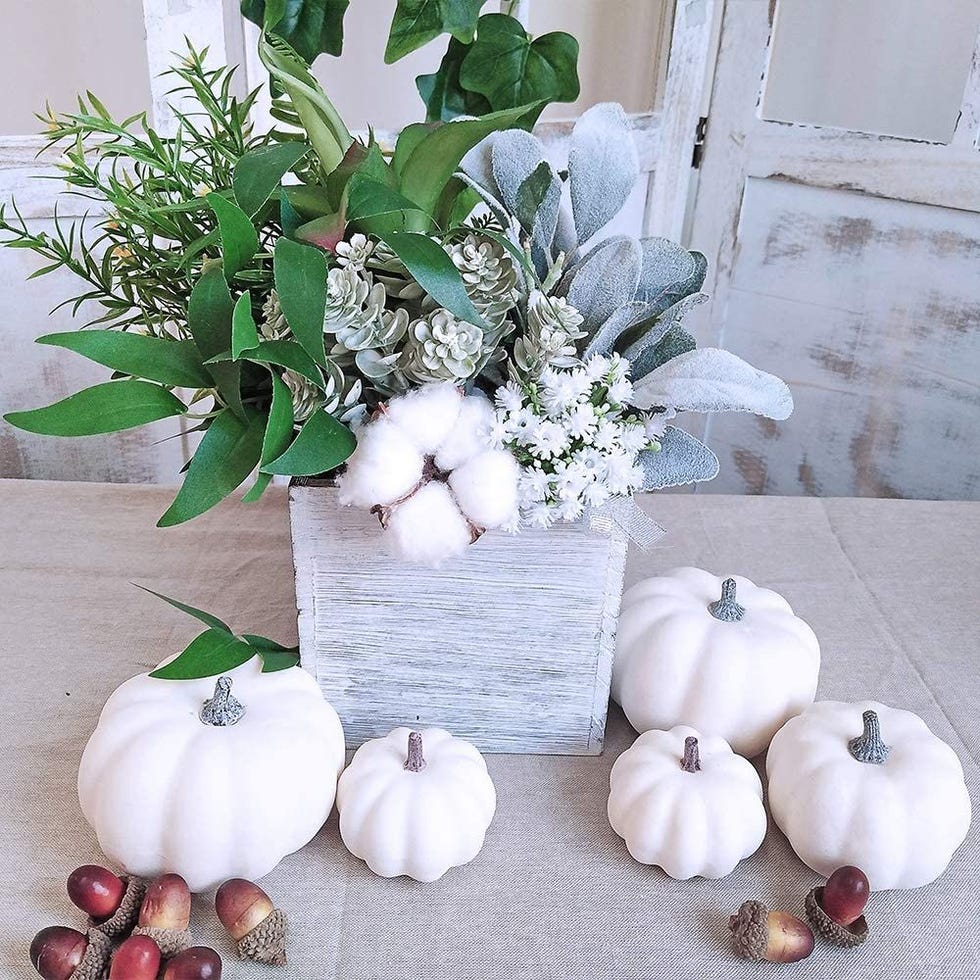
(685, 802)
(415, 803)
(166, 791)
(868, 785)
(723, 655)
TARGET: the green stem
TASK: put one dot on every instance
(869, 745)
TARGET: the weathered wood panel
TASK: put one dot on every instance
(510, 646)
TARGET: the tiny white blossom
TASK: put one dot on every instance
(596, 367)
(509, 397)
(621, 391)
(595, 494)
(606, 435)
(534, 485)
(541, 514)
(571, 478)
(499, 430)
(570, 509)
(633, 437)
(549, 439)
(619, 368)
(620, 472)
(581, 421)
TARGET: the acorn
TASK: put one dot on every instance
(165, 914)
(836, 909)
(194, 963)
(138, 958)
(779, 937)
(112, 903)
(252, 921)
(60, 953)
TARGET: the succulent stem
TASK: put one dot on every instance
(415, 761)
(692, 757)
(727, 609)
(869, 745)
(222, 709)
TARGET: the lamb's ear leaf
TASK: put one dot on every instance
(712, 380)
(205, 617)
(602, 167)
(322, 445)
(669, 272)
(603, 280)
(680, 459)
(258, 172)
(208, 654)
(638, 343)
(673, 343)
(619, 322)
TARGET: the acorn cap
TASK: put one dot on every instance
(847, 936)
(121, 922)
(96, 958)
(266, 943)
(750, 930)
(170, 941)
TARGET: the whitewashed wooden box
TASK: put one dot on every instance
(510, 646)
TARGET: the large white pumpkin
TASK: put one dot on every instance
(868, 785)
(166, 791)
(415, 803)
(722, 655)
(685, 802)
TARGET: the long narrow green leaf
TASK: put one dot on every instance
(229, 451)
(170, 362)
(200, 614)
(244, 332)
(278, 434)
(258, 173)
(108, 407)
(239, 239)
(211, 653)
(322, 445)
(284, 353)
(301, 282)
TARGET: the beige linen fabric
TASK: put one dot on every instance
(889, 586)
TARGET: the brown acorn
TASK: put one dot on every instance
(779, 937)
(836, 910)
(111, 902)
(59, 953)
(251, 920)
(194, 963)
(165, 914)
(138, 958)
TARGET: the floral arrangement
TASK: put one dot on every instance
(302, 284)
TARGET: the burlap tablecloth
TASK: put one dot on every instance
(889, 586)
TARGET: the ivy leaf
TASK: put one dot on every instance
(312, 27)
(510, 69)
(171, 362)
(108, 407)
(416, 22)
(239, 239)
(199, 614)
(227, 454)
(244, 332)
(322, 445)
(212, 652)
(301, 282)
(443, 95)
(259, 172)
(278, 433)
(434, 271)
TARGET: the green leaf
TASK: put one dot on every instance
(324, 232)
(416, 22)
(258, 173)
(510, 69)
(301, 282)
(408, 139)
(285, 353)
(443, 95)
(227, 454)
(436, 158)
(212, 652)
(434, 270)
(209, 317)
(531, 194)
(379, 210)
(322, 445)
(359, 159)
(274, 655)
(278, 433)
(107, 407)
(200, 614)
(310, 26)
(171, 362)
(239, 239)
(244, 332)
(308, 201)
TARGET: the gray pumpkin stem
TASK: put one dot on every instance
(727, 609)
(692, 757)
(223, 709)
(869, 745)
(415, 761)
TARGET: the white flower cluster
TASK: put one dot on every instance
(576, 437)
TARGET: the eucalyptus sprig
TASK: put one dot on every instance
(218, 650)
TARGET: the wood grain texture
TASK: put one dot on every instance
(510, 646)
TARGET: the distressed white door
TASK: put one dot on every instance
(836, 197)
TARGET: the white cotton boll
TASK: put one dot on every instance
(486, 488)
(428, 527)
(383, 467)
(469, 436)
(426, 415)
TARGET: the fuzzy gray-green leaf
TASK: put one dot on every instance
(681, 459)
(604, 280)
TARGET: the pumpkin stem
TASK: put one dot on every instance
(727, 609)
(869, 745)
(222, 709)
(415, 761)
(692, 757)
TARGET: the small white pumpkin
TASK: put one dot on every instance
(685, 802)
(415, 803)
(723, 655)
(868, 785)
(211, 779)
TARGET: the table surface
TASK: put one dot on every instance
(889, 586)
